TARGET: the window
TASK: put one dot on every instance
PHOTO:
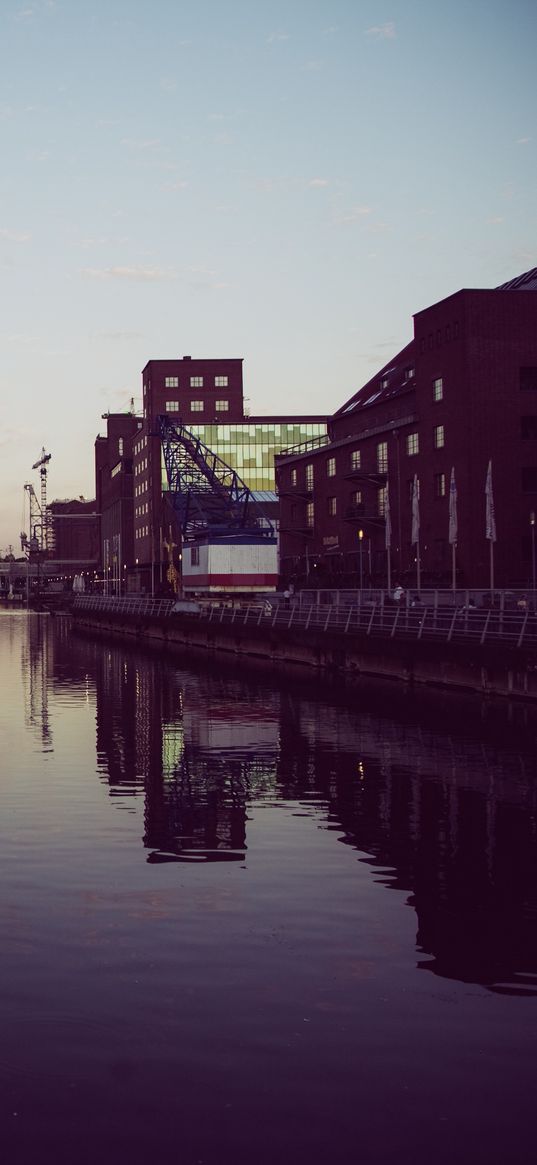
(384, 382)
(194, 555)
(171, 382)
(196, 406)
(410, 373)
(331, 467)
(438, 436)
(196, 381)
(528, 428)
(382, 494)
(332, 507)
(438, 389)
(356, 459)
(439, 485)
(222, 406)
(412, 444)
(356, 497)
(293, 477)
(172, 406)
(382, 457)
(528, 379)
(309, 476)
(310, 514)
(120, 447)
(529, 480)
(220, 382)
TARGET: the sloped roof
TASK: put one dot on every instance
(389, 382)
(525, 282)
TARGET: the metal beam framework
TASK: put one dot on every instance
(208, 496)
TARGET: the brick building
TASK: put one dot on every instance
(207, 396)
(114, 497)
(462, 393)
(73, 533)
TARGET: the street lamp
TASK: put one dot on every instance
(532, 524)
(360, 540)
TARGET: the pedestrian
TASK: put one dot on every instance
(398, 593)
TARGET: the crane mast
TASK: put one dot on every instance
(41, 464)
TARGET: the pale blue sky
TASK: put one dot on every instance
(286, 182)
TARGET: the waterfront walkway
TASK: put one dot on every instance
(375, 617)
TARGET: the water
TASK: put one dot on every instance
(245, 919)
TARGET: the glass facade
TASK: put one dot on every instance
(251, 448)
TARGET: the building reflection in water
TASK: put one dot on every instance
(448, 817)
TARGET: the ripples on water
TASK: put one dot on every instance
(219, 896)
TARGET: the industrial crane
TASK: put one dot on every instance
(41, 465)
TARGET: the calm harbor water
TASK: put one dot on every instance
(251, 919)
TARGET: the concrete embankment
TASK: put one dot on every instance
(491, 668)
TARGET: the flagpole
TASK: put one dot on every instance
(388, 537)
(415, 535)
(490, 529)
(454, 566)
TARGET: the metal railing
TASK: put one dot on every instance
(439, 623)
(142, 605)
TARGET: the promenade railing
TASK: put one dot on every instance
(374, 618)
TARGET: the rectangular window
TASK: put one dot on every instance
(194, 555)
(309, 476)
(412, 444)
(356, 497)
(356, 459)
(293, 477)
(409, 373)
(438, 436)
(310, 515)
(222, 406)
(172, 406)
(120, 447)
(382, 457)
(171, 382)
(220, 382)
(529, 480)
(331, 467)
(439, 485)
(196, 406)
(381, 501)
(528, 428)
(528, 379)
(438, 389)
(196, 381)
(332, 507)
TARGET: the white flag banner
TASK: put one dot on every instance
(415, 512)
(453, 524)
(387, 516)
(490, 520)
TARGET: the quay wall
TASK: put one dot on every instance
(490, 668)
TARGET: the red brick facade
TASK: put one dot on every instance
(461, 394)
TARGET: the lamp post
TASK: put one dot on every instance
(532, 524)
(360, 540)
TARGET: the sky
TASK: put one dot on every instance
(286, 182)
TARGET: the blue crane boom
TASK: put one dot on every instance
(208, 496)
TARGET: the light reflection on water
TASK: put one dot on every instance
(219, 894)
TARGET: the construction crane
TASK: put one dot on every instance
(41, 464)
(32, 544)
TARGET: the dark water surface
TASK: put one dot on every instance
(254, 920)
